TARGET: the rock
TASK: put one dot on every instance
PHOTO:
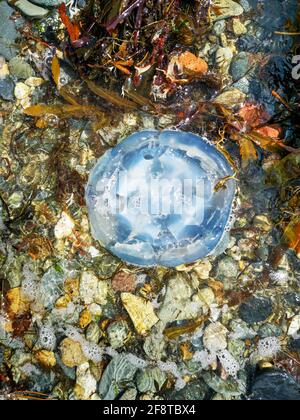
(219, 27)
(49, 3)
(231, 98)
(293, 299)
(71, 353)
(203, 269)
(192, 65)
(274, 385)
(85, 318)
(93, 333)
(118, 333)
(243, 85)
(8, 31)
(294, 327)
(238, 27)
(129, 395)
(118, 373)
(51, 287)
(16, 304)
(140, 311)
(124, 282)
(195, 391)
(240, 330)
(256, 309)
(223, 59)
(269, 330)
(176, 302)
(65, 226)
(20, 69)
(21, 91)
(86, 384)
(34, 82)
(226, 9)
(263, 222)
(150, 380)
(93, 290)
(155, 344)
(227, 268)
(240, 66)
(7, 88)
(4, 70)
(46, 358)
(215, 337)
(206, 296)
(227, 388)
(30, 9)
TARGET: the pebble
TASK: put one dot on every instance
(64, 227)
(231, 98)
(140, 311)
(240, 66)
(22, 91)
(215, 337)
(71, 353)
(274, 385)
(8, 31)
(223, 59)
(20, 69)
(93, 290)
(207, 296)
(203, 269)
(34, 82)
(46, 358)
(227, 268)
(226, 9)
(219, 27)
(86, 384)
(263, 223)
(30, 9)
(294, 328)
(124, 282)
(7, 88)
(49, 3)
(238, 27)
(256, 309)
(117, 334)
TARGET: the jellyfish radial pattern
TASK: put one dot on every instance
(152, 199)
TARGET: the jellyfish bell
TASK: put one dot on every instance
(152, 200)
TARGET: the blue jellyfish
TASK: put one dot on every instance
(152, 200)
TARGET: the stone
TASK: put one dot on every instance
(219, 27)
(71, 353)
(140, 311)
(207, 296)
(256, 309)
(227, 388)
(86, 384)
(85, 318)
(30, 9)
(227, 268)
(117, 333)
(51, 287)
(46, 358)
(192, 65)
(240, 66)
(223, 59)
(226, 9)
(238, 27)
(168, 232)
(231, 98)
(116, 376)
(93, 333)
(175, 306)
(124, 282)
(203, 269)
(20, 69)
(7, 88)
(21, 91)
(64, 227)
(263, 223)
(49, 3)
(150, 380)
(294, 328)
(274, 385)
(93, 290)
(8, 32)
(215, 337)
